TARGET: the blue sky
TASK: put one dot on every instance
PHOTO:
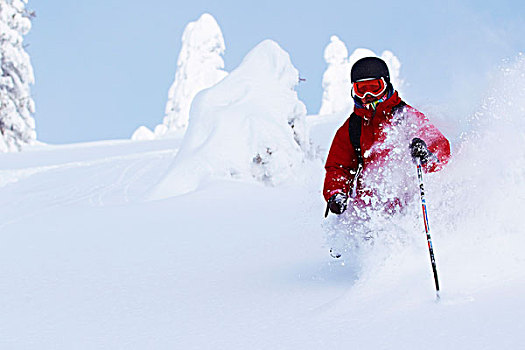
(104, 67)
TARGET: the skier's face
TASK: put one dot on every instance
(372, 102)
(369, 99)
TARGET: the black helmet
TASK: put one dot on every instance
(369, 67)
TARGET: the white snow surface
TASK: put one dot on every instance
(86, 262)
(336, 79)
(251, 126)
(200, 65)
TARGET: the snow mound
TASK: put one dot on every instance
(143, 133)
(336, 79)
(200, 65)
(250, 125)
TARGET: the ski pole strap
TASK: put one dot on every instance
(353, 189)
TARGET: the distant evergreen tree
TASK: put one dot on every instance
(336, 78)
(17, 125)
(200, 66)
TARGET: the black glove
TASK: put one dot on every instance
(337, 203)
(418, 149)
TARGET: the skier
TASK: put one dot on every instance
(369, 148)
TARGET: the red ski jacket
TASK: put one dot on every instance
(383, 135)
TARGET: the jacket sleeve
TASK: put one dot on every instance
(341, 164)
(436, 142)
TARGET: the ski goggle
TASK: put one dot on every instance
(373, 87)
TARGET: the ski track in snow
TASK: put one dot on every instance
(106, 181)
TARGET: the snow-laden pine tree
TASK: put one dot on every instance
(336, 79)
(17, 125)
(394, 66)
(200, 65)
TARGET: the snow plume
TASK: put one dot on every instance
(17, 125)
(477, 201)
(486, 182)
(336, 79)
(474, 206)
(250, 125)
(200, 66)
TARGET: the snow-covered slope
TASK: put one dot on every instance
(86, 262)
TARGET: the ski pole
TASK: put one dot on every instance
(425, 221)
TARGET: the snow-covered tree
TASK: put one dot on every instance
(17, 125)
(336, 79)
(394, 66)
(358, 54)
(200, 65)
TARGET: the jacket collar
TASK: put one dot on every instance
(383, 108)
